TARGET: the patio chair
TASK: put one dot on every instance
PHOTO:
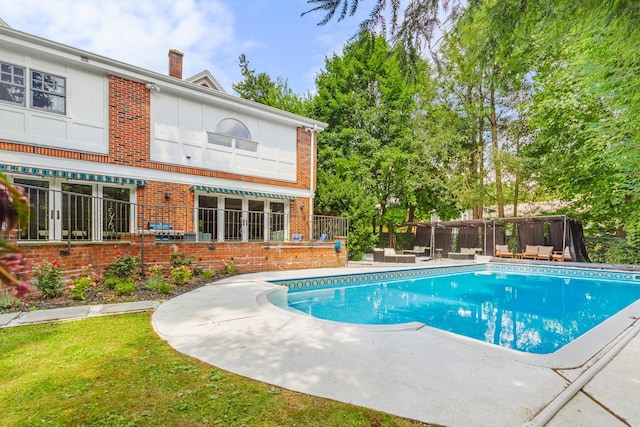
(502, 251)
(562, 255)
(545, 252)
(530, 252)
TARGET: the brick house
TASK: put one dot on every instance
(116, 158)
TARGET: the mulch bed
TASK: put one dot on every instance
(104, 295)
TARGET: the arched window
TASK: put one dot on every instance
(232, 133)
(233, 127)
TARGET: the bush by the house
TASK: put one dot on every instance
(158, 283)
(125, 286)
(79, 286)
(48, 279)
(180, 275)
(125, 266)
(179, 259)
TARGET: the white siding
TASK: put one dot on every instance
(83, 127)
(179, 136)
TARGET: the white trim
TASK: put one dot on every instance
(22, 41)
(82, 166)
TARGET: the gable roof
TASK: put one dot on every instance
(206, 79)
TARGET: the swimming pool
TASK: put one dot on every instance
(532, 309)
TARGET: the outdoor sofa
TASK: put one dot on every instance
(465, 253)
(390, 255)
(417, 251)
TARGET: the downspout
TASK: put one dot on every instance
(312, 130)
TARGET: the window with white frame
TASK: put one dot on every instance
(116, 212)
(12, 83)
(48, 92)
(76, 210)
(232, 133)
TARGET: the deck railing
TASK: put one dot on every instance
(67, 216)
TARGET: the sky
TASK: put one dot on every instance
(211, 33)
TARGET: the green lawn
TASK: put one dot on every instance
(115, 371)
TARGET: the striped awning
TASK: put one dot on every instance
(54, 173)
(242, 192)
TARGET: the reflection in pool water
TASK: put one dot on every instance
(534, 313)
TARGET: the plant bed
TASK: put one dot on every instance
(104, 295)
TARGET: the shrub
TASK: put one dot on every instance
(125, 286)
(612, 250)
(8, 302)
(79, 286)
(180, 275)
(179, 259)
(123, 267)
(208, 274)
(110, 282)
(158, 284)
(48, 279)
(156, 270)
(229, 268)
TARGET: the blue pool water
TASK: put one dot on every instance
(534, 313)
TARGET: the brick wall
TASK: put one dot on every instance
(247, 257)
(129, 123)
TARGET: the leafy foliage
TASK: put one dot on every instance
(229, 268)
(259, 87)
(373, 153)
(124, 286)
(179, 259)
(14, 207)
(48, 279)
(158, 283)
(8, 302)
(125, 266)
(554, 85)
(80, 285)
(180, 275)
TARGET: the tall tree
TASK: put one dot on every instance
(261, 88)
(372, 142)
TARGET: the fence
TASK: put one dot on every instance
(74, 217)
(83, 229)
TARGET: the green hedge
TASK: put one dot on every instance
(612, 250)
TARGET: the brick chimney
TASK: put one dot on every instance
(175, 63)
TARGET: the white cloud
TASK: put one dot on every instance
(137, 32)
(211, 33)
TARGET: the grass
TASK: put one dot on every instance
(115, 371)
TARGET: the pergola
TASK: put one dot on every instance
(558, 231)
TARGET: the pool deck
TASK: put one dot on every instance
(415, 372)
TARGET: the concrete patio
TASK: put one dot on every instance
(419, 373)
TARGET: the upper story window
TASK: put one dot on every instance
(232, 133)
(12, 85)
(48, 92)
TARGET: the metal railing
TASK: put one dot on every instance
(67, 216)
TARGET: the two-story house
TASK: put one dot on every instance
(118, 158)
